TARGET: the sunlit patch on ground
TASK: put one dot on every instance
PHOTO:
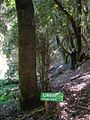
(85, 77)
(78, 87)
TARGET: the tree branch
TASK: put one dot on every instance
(73, 23)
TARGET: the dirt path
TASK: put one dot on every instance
(76, 88)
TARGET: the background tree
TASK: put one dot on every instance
(75, 25)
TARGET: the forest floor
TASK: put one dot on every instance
(76, 88)
(76, 105)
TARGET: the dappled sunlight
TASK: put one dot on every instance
(64, 115)
(63, 104)
(87, 117)
(85, 77)
(79, 81)
(78, 87)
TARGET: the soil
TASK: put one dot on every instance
(76, 105)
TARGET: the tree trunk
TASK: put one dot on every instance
(70, 37)
(27, 54)
(73, 23)
(79, 13)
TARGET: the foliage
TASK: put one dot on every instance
(50, 21)
(11, 51)
(6, 95)
(9, 29)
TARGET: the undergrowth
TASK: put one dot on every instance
(6, 93)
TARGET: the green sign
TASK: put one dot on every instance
(52, 96)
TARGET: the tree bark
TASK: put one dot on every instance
(79, 13)
(73, 23)
(27, 54)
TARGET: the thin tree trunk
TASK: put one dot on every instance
(70, 37)
(79, 13)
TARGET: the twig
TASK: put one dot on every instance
(36, 111)
(82, 62)
(8, 91)
(75, 77)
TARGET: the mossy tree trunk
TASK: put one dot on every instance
(27, 54)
